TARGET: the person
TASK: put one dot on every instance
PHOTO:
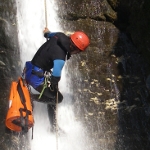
(51, 57)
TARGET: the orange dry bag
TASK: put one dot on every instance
(19, 116)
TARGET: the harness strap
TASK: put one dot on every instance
(37, 73)
(23, 120)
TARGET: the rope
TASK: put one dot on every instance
(46, 13)
(44, 86)
(56, 113)
(57, 91)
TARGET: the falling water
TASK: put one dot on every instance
(31, 22)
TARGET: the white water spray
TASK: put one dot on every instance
(31, 23)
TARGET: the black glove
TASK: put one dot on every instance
(54, 83)
(46, 34)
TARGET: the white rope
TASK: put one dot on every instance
(56, 128)
(45, 14)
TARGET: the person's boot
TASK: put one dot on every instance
(51, 115)
(52, 118)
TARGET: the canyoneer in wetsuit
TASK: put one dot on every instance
(52, 55)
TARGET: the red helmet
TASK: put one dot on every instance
(80, 39)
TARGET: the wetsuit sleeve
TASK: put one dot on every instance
(57, 68)
(56, 74)
(49, 34)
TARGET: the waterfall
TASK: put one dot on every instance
(31, 23)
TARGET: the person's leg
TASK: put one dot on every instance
(52, 115)
(52, 95)
(46, 97)
(50, 98)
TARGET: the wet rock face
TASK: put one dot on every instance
(8, 29)
(128, 16)
(133, 18)
(95, 9)
(9, 53)
(110, 88)
(9, 63)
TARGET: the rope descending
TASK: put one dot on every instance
(56, 113)
(45, 13)
(56, 128)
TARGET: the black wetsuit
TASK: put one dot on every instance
(56, 47)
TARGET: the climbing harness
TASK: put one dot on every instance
(46, 83)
